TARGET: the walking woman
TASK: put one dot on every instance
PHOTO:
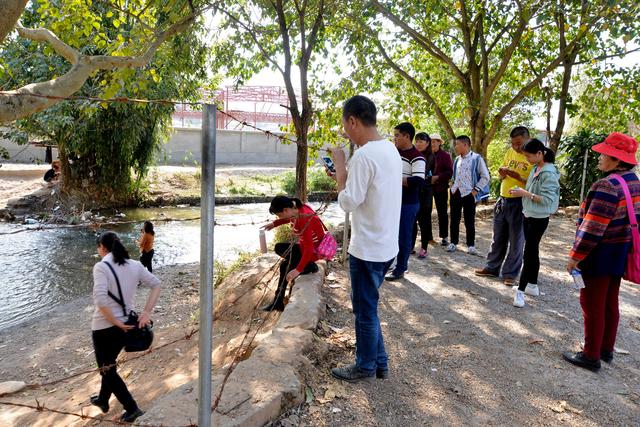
(146, 245)
(298, 258)
(539, 201)
(107, 324)
(423, 219)
(603, 239)
(442, 173)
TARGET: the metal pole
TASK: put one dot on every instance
(207, 205)
(584, 173)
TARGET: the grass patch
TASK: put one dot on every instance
(222, 270)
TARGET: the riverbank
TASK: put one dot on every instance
(23, 193)
(58, 345)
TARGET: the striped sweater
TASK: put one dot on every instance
(413, 169)
(603, 235)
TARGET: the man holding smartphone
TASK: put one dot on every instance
(371, 190)
(508, 235)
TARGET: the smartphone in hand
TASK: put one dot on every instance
(329, 164)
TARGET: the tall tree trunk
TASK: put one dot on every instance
(301, 124)
(564, 100)
(479, 141)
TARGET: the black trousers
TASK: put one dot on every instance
(441, 198)
(458, 205)
(107, 344)
(534, 228)
(289, 262)
(145, 259)
(423, 219)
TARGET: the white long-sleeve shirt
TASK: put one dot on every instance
(464, 176)
(129, 274)
(373, 194)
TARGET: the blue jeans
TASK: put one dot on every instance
(408, 215)
(366, 278)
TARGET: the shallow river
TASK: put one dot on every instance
(42, 269)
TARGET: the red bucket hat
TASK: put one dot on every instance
(618, 145)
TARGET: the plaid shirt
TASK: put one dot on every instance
(603, 234)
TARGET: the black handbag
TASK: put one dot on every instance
(136, 339)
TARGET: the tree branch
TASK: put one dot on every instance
(523, 91)
(17, 104)
(11, 12)
(44, 35)
(600, 58)
(252, 33)
(426, 43)
(439, 113)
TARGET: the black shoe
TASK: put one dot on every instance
(444, 242)
(95, 401)
(394, 276)
(578, 359)
(129, 417)
(606, 356)
(351, 373)
(275, 305)
(382, 373)
(311, 268)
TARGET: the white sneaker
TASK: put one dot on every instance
(518, 299)
(451, 247)
(532, 290)
(471, 250)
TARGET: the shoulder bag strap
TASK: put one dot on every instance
(121, 299)
(635, 234)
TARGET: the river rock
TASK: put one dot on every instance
(9, 387)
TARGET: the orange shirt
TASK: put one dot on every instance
(146, 242)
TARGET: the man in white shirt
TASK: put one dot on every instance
(372, 192)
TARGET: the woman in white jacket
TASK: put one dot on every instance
(108, 327)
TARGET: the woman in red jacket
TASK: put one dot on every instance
(298, 258)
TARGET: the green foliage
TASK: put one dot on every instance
(609, 99)
(571, 163)
(106, 149)
(476, 67)
(285, 234)
(318, 181)
(222, 270)
(495, 156)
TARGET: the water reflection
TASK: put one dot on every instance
(42, 269)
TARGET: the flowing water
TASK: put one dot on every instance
(42, 269)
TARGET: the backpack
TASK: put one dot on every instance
(632, 270)
(483, 193)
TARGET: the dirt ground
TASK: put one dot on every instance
(461, 354)
(19, 180)
(59, 344)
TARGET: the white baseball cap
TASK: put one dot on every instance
(436, 136)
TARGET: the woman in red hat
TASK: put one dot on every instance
(603, 239)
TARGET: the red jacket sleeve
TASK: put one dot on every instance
(279, 222)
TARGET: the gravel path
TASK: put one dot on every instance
(461, 354)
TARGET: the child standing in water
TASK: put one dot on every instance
(146, 245)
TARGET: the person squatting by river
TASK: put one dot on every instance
(107, 324)
(298, 258)
(146, 245)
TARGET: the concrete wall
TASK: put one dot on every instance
(232, 147)
(25, 153)
(183, 148)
